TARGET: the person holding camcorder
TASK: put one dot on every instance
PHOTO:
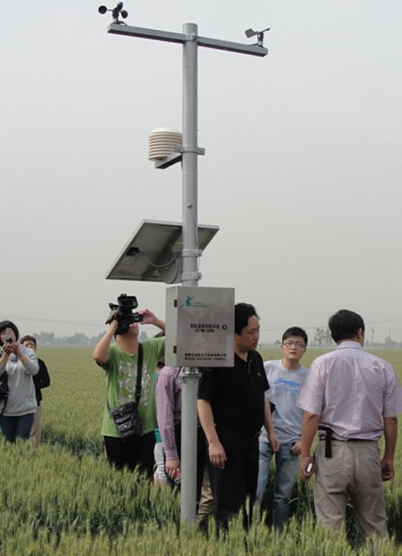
(129, 374)
(19, 364)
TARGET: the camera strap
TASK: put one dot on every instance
(139, 375)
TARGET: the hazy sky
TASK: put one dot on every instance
(302, 171)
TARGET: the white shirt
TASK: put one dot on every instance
(352, 391)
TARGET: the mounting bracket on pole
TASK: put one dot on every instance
(189, 149)
(188, 372)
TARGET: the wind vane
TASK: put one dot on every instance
(260, 35)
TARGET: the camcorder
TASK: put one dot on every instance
(124, 313)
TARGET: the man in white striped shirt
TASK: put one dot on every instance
(352, 397)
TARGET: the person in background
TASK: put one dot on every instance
(21, 364)
(160, 478)
(285, 377)
(352, 398)
(168, 408)
(232, 408)
(119, 360)
(41, 381)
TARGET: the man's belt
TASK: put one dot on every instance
(329, 438)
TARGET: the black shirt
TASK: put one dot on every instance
(41, 380)
(236, 394)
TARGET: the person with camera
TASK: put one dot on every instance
(121, 360)
(21, 364)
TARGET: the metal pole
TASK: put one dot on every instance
(190, 259)
(190, 252)
(190, 157)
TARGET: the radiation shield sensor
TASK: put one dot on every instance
(199, 326)
(153, 253)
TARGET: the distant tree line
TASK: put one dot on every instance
(321, 339)
(78, 339)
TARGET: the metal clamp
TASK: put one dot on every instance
(191, 253)
(191, 276)
(189, 149)
(188, 372)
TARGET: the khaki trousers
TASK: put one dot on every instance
(206, 504)
(354, 472)
(36, 431)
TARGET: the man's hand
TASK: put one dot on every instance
(296, 448)
(273, 440)
(387, 469)
(306, 466)
(148, 317)
(309, 429)
(171, 467)
(390, 435)
(217, 455)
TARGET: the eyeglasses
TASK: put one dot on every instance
(298, 345)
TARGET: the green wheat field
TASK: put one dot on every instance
(63, 499)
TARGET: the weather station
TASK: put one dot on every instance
(200, 321)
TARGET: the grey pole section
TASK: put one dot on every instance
(190, 157)
(190, 275)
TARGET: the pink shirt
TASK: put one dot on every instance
(168, 408)
(352, 390)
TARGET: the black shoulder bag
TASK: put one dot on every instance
(3, 391)
(126, 417)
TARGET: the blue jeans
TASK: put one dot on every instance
(285, 478)
(21, 426)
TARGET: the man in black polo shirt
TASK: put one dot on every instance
(232, 407)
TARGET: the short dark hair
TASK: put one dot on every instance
(243, 311)
(295, 331)
(344, 325)
(8, 324)
(28, 338)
